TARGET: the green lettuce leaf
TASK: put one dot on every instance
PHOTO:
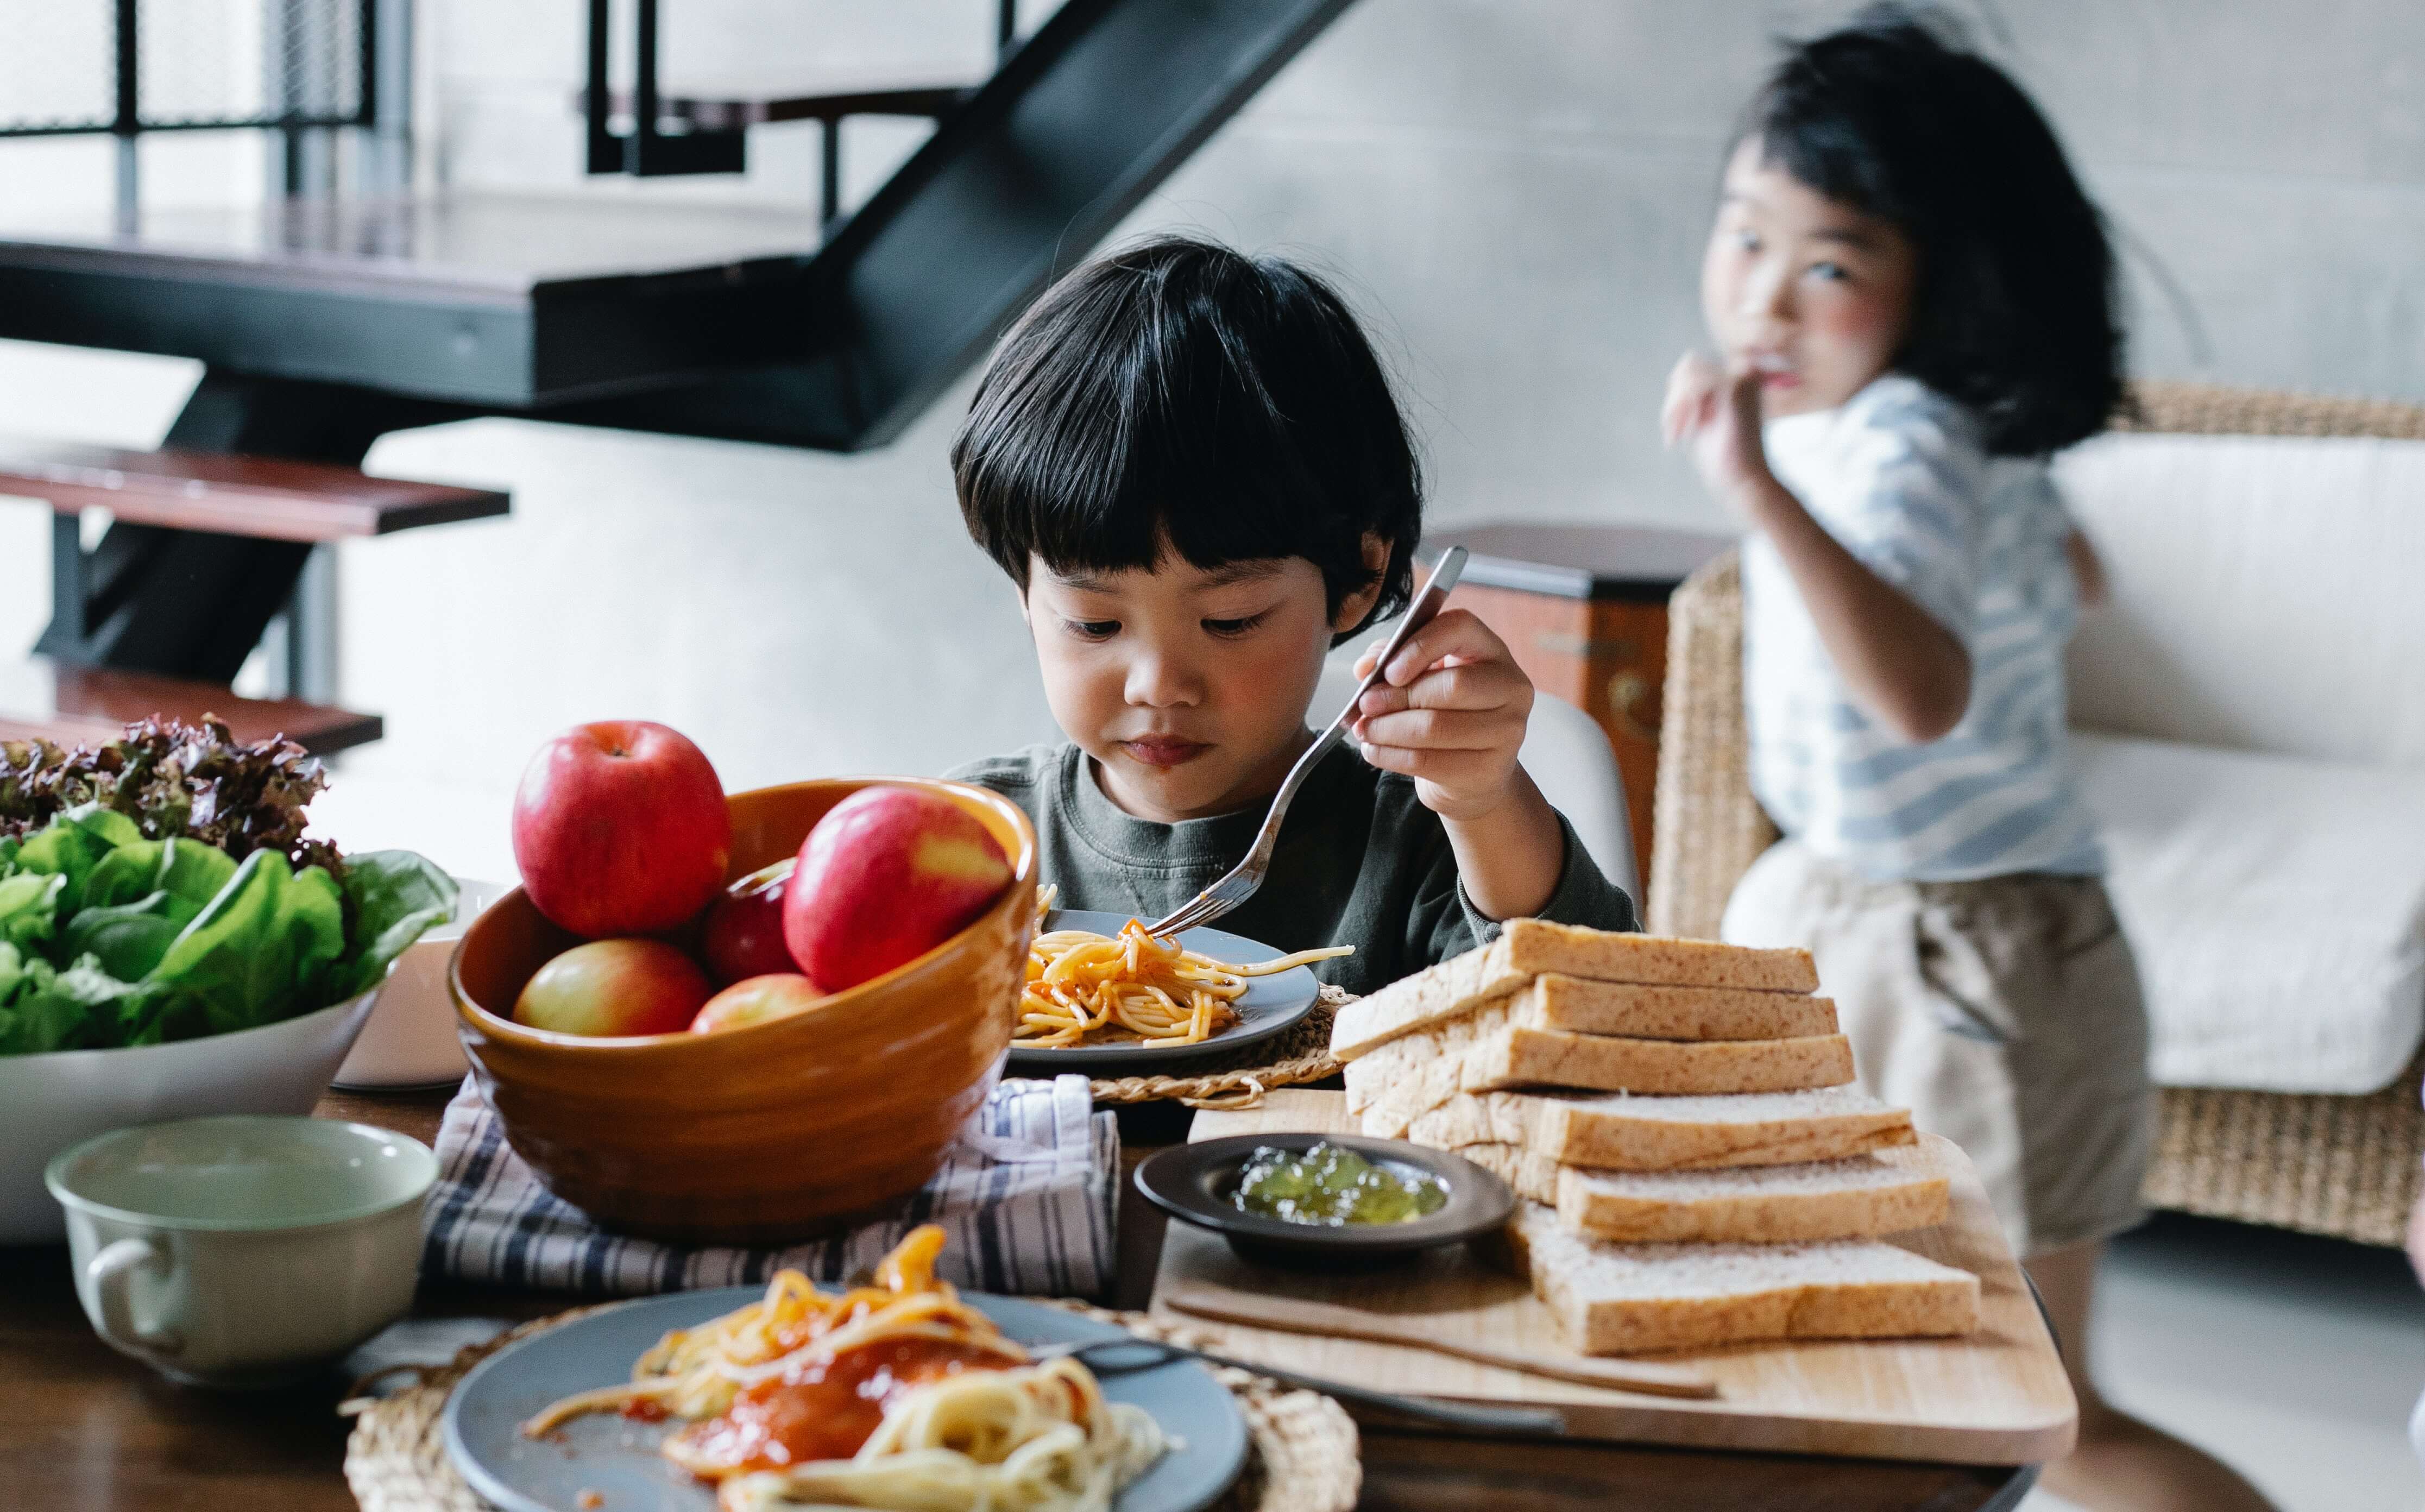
(128, 938)
(74, 846)
(393, 896)
(153, 1013)
(139, 898)
(186, 870)
(30, 909)
(254, 955)
(100, 996)
(43, 1009)
(109, 939)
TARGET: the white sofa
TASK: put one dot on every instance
(2250, 709)
(2249, 718)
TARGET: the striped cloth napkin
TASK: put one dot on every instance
(1028, 1195)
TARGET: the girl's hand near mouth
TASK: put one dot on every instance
(1899, 662)
(1716, 414)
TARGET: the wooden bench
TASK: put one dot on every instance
(40, 699)
(265, 498)
(305, 505)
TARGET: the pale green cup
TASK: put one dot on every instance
(243, 1251)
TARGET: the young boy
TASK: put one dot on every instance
(1191, 464)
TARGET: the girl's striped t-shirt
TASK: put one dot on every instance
(1897, 474)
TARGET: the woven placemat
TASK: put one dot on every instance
(1302, 1457)
(1296, 1058)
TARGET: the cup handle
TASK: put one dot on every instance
(108, 1273)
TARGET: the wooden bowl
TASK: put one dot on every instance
(774, 1131)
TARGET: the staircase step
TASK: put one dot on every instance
(262, 497)
(731, 106)
(44, 700)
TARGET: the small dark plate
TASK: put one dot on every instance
(1194, 1184)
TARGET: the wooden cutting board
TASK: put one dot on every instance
(1997, 1397)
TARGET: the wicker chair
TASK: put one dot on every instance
(2346, 1166)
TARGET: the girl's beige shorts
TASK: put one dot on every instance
(2005, 1013)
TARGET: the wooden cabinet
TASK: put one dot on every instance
(1584, 610)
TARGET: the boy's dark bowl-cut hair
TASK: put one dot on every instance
(1176, 390)
(2014, 311)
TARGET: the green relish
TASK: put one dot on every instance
(1332, 1186)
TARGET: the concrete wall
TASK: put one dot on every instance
(1514, 193)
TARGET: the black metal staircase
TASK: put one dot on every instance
(1078, 125)
(326, 322)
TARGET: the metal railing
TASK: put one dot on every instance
(627, 130)
(126, 69)
(126, 66)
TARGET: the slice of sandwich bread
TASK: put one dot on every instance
(1483, 1053)
(1619, 1298)
(1527, 948)
(1575, 1005)
(1640, 1011)
(1887, 1191)
(1620, 1132)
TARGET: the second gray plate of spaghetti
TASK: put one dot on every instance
(610, 1462)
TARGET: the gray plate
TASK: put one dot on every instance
(618, 1456)
(1272, 1007)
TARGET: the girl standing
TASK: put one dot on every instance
(1913, 304)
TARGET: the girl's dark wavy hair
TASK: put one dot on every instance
(2014, 309)
(1178, 391)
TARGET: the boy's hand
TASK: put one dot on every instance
(1716, 414)
(1449, 712)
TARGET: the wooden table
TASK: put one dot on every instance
(83, 1427)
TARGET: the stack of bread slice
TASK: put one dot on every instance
(1679, 1117)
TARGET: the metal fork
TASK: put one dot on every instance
(1240, 885)
(1126, 1357)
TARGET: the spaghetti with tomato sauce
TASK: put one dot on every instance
(823, 1408)
(894, 1395)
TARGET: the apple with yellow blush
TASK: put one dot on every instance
(889, 874)
(756, 1000)
(615, 988)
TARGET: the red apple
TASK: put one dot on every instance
(614, 987)
(744, 933)
(755, 1001)
(620, 828)
(889, 874)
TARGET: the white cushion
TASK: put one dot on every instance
(2276, 906)
(1569, 758)
(2264, 593)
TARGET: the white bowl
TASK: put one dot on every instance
(52, 1101)
(243, 1251)
(411, 1039)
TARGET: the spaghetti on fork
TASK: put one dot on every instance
(1133, 985)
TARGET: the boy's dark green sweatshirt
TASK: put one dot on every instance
(1361, 862)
